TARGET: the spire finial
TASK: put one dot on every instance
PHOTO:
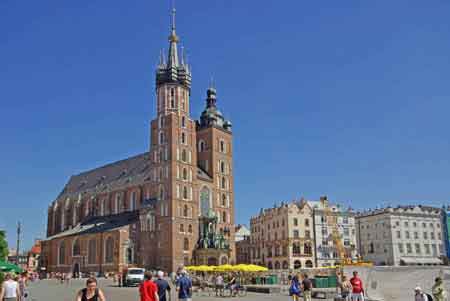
(174, 11)
(211, 83)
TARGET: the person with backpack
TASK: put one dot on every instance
(294, 289)
(357, 287)
(419, 295)
(307, 288)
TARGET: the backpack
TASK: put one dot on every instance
(430, 298)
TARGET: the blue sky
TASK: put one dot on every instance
(348, 99)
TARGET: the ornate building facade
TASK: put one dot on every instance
(145, 210)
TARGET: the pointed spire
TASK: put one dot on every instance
(183, 56)
(162, 59)
(173, 39)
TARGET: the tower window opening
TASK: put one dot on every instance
(183, 121)
(183, 138)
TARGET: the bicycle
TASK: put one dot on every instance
(240, 291)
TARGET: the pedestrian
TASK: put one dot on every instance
(148, 290)
(307, 288)
(346, 288)
(357, 287)
(91, 292)
(294, 288)
(184, 287)
(438, 289)
(419, 295)
(163, 287)
(10, 290)
(23, 282)
(219, 285)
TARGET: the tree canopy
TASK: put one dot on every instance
(3, 246)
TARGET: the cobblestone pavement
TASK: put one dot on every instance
(50, 290)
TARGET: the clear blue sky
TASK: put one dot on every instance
(345, 98)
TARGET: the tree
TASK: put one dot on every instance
(3, 246)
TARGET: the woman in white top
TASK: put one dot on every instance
(10, 289)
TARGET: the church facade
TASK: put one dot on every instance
(147, 210)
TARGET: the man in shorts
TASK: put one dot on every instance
(357, 288)
(184, 287)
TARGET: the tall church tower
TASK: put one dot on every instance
(173, 156)
(191, 165)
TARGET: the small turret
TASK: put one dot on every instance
(211, 116)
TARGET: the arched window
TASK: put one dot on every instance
(185, 174)
(183, 155)
(224, 217)
(181, 228)
(224, 183)
(92, 252)
(185, 211)
(161, 137)
(183, 121)
(205, 203)
(222, 167)
(201, 146)
(309, 264)
(183, 138)
(190, 229)
(296, 249)
(185, 192)
(222, 146)
(109, 250)
(277, 265)
(76, 249)
(62, 253)
(224, 260)
(285, 265)
(297, 264)
(186, 244)
(224, 200)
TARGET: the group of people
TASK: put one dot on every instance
(15, 288)
(438, 292)
(301, 285)
(353, 288)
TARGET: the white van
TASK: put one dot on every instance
(133, 276)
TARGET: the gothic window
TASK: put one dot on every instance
(133, 201)
(183, 155)
(224, 183)
(224, 217)
(185, 192)
(183, 121)
(62, 253)
(92, 252)
(224, 200)
(161, 193)
(76, 249)
(185, 176)
(183, 138)
(222, 146)
(161, 138)
(201, 146)
(186, 244)
(222, 167)
(205, 204)
(109, 250)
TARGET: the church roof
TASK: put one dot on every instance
(114, 175)
(100, 224)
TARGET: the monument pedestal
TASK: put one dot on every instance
(211, 256)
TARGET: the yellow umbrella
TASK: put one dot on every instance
(224, 268)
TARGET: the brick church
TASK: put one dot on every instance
(146, 210)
